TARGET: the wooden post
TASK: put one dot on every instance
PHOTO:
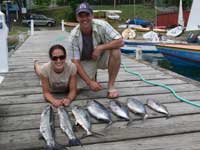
(138, 53)
(62, 25)
(32, 27)
(3, 44)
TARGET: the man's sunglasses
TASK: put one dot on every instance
(55, 58)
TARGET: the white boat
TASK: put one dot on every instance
(183, 54)
(175, 31)
(180, 28)
(112, 16)
(151, 36)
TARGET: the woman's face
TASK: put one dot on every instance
(58, 60)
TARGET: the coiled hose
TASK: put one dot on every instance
(161, 85)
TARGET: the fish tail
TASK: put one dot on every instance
(109, 124)
(96, 134)
(168, 116)
(129, 122)
(91, 133)
(74, 142)
(59, 147)
(145, 116)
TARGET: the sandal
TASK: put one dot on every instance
(112, 94)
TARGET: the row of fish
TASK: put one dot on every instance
(82, 118)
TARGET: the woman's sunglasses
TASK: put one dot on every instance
(55, 58)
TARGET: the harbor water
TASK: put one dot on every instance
(158, 59)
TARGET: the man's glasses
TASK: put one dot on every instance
(55, 58)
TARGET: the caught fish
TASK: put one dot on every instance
(137, 107)
(66, 126)
(82, 118)
(47, 129)
(157, 107)
(119, 109)
(98, 111)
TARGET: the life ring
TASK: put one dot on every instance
(128, 34)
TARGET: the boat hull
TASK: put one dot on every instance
(181, 56)
(145, 46)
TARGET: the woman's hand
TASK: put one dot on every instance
(66, 101)
(57, 103)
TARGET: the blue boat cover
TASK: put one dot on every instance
(141, 22)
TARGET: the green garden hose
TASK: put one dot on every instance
(161, 85)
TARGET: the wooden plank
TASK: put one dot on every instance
(90, 94)
(38, 98)
(32, 75)
(28, 83)
(187, 141)
(31, 120)
(28, 139)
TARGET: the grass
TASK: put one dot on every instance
(17, 29)
(59, 13)
(145, 12)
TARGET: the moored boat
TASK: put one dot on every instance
(180, 54)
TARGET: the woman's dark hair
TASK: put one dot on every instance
(57, 46)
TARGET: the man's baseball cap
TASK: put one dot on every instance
(84, 7)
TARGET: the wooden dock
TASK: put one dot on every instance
(21, 104)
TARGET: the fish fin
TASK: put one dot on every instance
(59, 147)
(168, 116)
(94, 134)
(145, 117)
(129, 123)
(74, 128)
(109, 124)
(74, 142)
(40, 137)
(49, 148)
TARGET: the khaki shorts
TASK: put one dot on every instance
(91, 67)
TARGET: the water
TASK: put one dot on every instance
(159, 60)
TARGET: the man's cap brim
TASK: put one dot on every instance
(83, 11)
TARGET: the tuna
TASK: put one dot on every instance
(137, 107)
(47, 129)
(156, 106)
(66, 126)
(119, 109)
(98, 111)
(82, 118)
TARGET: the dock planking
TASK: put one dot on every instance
(21, 103)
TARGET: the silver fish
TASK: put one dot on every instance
(47, 129)
(119, 109)
(137, 107)
(82, 118)
(66, 126)
(157, 107)
(98, 111)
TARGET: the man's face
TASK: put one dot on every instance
(85, 20)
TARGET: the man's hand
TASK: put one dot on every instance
(96, 53)
(57, 103)
(95, 86)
